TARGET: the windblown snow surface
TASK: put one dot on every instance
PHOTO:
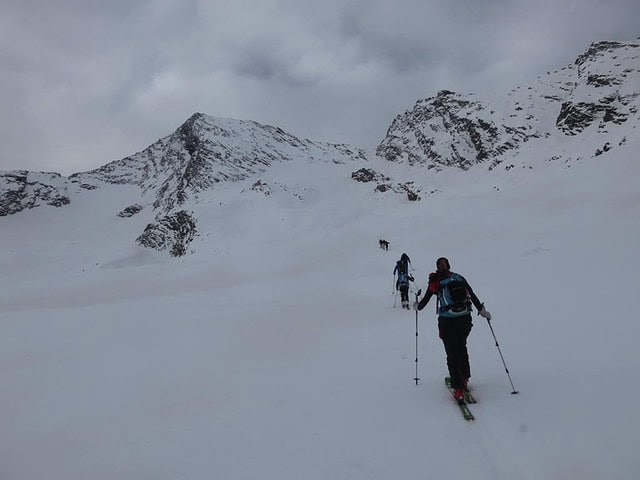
(274, 351)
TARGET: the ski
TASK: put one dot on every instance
(468, 397)
(464, 408)
(466, 413)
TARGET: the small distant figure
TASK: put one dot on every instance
(402, 283)
(383, 244)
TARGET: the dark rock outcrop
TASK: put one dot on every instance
(450, 130)
(385, 184)
(130, 211)
(20, 190)
(365, 175)
(172, 233)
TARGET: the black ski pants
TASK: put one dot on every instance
(404, 293)
(454, 332)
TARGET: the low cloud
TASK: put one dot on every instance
(84, 83)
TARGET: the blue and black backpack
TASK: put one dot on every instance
(453, 296)
(403, 279)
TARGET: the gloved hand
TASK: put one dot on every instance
(484, 313)
(415, 306)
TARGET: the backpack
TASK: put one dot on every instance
(403, 267)
(403, 279)
(453, 296)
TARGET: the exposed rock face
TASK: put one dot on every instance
(21, 190)
(575, 117)
(202, 153)
(450, 130)
(205, 151)
(385, 184)
(606, 87)
(172, 233)
(267, 189)
(365, 175)
(262, 187)
(602, 88)
(130, 211)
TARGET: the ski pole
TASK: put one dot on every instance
(417, 378)
(395, 299)
(513, 389)
(393, 287)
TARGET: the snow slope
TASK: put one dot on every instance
(274, 351)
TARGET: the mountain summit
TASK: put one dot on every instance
(588, 98)
(174, 173)
(205, 151)
(581, 111)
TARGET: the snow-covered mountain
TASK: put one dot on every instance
(177, 172)
(587, 100)
(21, 190)
(205, 151)
(274, 351)
(578, 112)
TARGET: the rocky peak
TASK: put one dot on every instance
(600, 49)
(449, 129)
(606, 88)
(175, 172)
(601, 89)
(20, 190)
(203, 152)
(189, 133)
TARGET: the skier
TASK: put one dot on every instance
(402, 283)
(402, 265)
(454, 296)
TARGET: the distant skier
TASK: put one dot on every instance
(402, 283)
(455, 297)
(402, 264)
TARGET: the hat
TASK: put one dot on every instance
(442, 264)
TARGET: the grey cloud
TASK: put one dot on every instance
(85, 82)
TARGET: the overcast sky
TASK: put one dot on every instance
(85, 82)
